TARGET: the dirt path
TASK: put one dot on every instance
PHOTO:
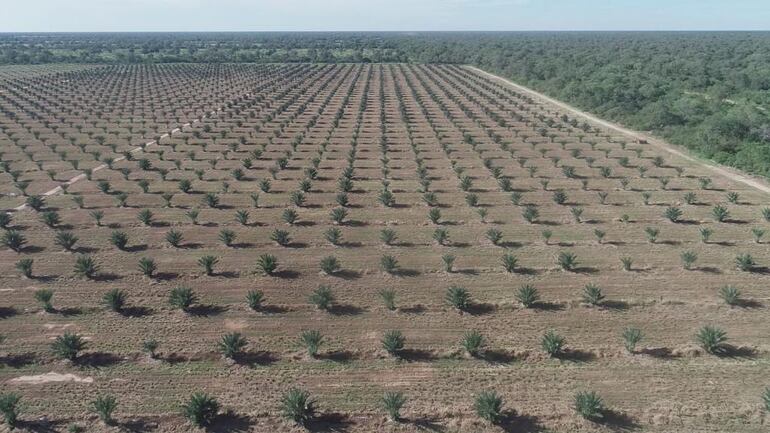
(723, 171)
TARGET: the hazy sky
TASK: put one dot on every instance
(271, 15)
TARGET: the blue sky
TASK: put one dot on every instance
(399, 15)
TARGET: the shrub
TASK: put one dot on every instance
(509, 262)
(25, 267)
(44, 297)
(592, 294)
(730, 294)
(689, 258)
(673, 214)
(147, 266)
(182, 298)
(389, 264)
(104, 406)
(114, 299)
(494, 236)
(65, 240)
(86, 267)
(312, 341)
(458, 297)
(329, 265)
(472, 342)
(14, 240)
(174, 238)
(720, 213)
(207, 263)
(527, 295)
(200, 409)
(745, 262)
(711, 339)
(489, 406)
(119, 240)
(589, 405)
(267, 264)
(67, 346)
(231, 345)
(389, 298)
(388, 236)
(254, 299)
(392, 402)
(567, 261)
(631, 337)
(434, 215)
(298, 406)
(393, 342)
(441, 236)
(552, 343)
(448, 260)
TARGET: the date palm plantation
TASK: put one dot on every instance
(364, 232)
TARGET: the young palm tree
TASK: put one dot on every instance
(193, 214)
(745, 262)
(67, 346)
(322, 298)
(592, 294)
(552, 343)
(289, 216)
(104, 406)
(489, 406)
(297, 406)
(147, 266)
(673, 214)
(448, 260)
(389, 264)
(227, 237)
(720, 213)
(509, 262)
(589, 405)
(652, 234)
(174, 238)
(389, 298)
(86, 267)
(254, 299)
(392, 402)
(145, 216)
(388, 236)
(231, 345)
(458, 297)
(711, 339)
(688, 257)
(44, 297)
(393, 342)
(333, 235)
(14, 240)
(567, 261)
(280, 237)
(207, 263)
(150, 347)
(25, 267)
(730, 294)
(200, 409)
(9, 408)
(115, 299)
(434, 215)
(527, 295)
(330, 265)
(312, 341)
(494, 236)
(338, 215)
(119, 239)
(632, 337)
(758, 233)
(242, 216)
(441, 236)
(182, 298)
(66, 240)
(267, 264)
(472, 342)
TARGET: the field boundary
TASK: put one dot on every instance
(657, 142)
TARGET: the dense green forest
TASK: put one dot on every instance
(708, 91)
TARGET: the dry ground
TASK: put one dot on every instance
(448, 117)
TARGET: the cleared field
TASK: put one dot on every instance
(392, 170)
